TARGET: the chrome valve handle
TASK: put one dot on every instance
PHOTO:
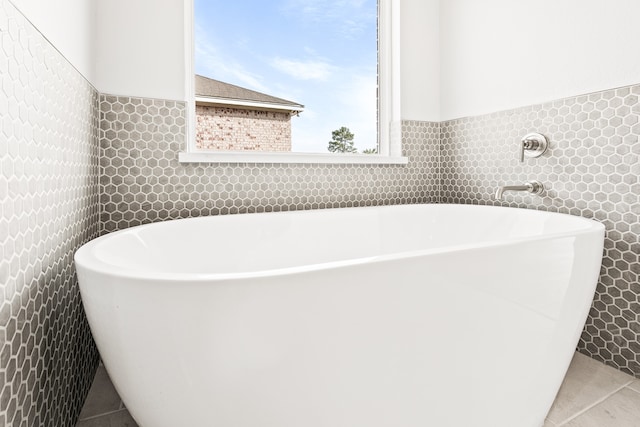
(533, 145)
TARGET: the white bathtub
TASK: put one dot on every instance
(397, 316)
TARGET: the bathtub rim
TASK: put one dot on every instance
(84, 256)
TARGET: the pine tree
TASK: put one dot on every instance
(342, 141)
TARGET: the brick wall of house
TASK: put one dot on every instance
(221, 128)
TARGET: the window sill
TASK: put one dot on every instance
(244, 157)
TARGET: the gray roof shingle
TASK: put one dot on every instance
(206, 87)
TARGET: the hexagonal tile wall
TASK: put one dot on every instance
(142, 180)
(591, 169)
(49, 206)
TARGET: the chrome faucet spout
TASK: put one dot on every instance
(500, 191)
(534, 187)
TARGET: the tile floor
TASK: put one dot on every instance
(592, 395)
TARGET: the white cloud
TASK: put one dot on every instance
(348, 17)
(304, 69)
(223, 67)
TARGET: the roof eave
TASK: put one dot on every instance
(210, 100)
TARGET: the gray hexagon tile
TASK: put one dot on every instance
(591, 169)
(142, 181)
(49, 205)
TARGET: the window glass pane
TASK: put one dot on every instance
(286, 74)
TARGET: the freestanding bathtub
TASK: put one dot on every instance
(396, 316)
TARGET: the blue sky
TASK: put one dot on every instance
(319, 53)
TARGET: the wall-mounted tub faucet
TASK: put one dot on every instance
(534, 187)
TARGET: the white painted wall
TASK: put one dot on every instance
(68, 25)
(137, 47)
(123, 47)
(140, 52)
(501, 54)
(420, 60)
(140, 48)
(458, 57)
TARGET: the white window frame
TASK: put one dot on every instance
(389, 118)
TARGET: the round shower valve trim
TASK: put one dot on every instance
(533, 145)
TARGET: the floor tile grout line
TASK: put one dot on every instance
(93, 417)
(596, 403)
(631, 388)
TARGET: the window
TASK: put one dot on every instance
(266, 94)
